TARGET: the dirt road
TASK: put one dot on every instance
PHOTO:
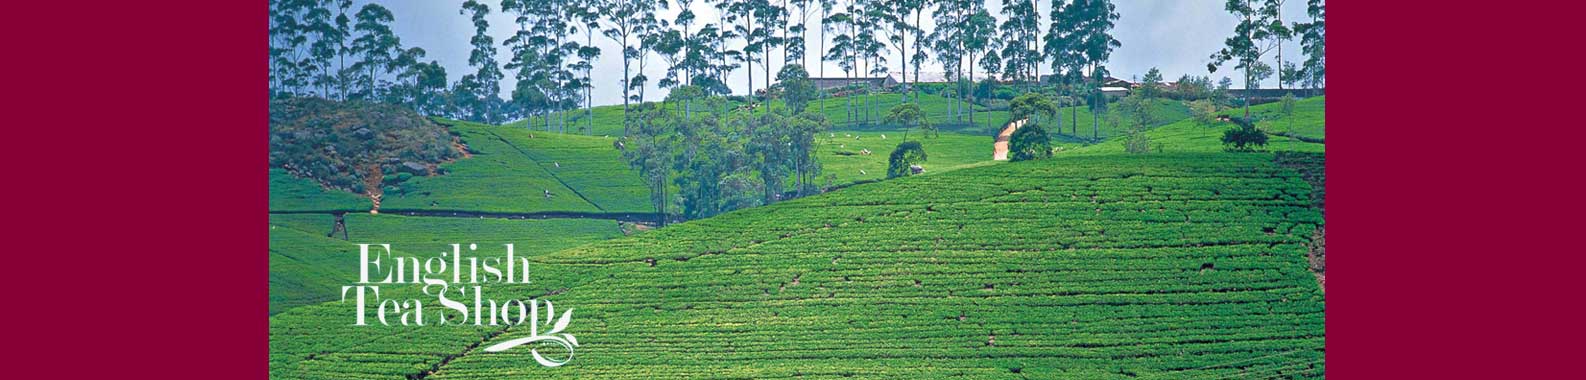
(1000, 148)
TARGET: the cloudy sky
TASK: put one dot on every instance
(1175, 36)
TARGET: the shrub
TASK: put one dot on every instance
(1244, 137)
(1004, 93)
(908, 153)
(1029, 142)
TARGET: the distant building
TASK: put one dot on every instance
(830, 83)
(932, 77)
(1106, 82)
(1115, 82)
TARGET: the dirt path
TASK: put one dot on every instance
(1000, 148)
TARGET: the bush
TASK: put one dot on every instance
(339, 144)
(1243, 138)
(1029, 142)
(908, 153)
(1004, 93)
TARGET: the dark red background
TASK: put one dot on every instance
(136, 192)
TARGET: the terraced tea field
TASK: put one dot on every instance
(307, 267)
(510, 172)
(1177, 265)
(292, 193)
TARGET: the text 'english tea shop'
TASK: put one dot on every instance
(456, 280)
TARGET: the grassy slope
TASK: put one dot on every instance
(946, 151)
(1081, 267)
(308, 268)
(1310, 115)
(587, 164)
(1186, 136)
(508, 173)
(959, 147)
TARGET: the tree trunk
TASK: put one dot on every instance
(972, 90)
(626, 78)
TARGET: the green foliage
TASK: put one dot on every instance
(706, 156)
(1244, 137)
(1029, 142)
(1287, 103)
(1191, 88)
(1220, 95)
(1137, 142)
(307, 267)
(1186, 136)
(1139, 111)
(903, 158)
(1031, 105)
(648, 149)
(1151, 84)
(987, 89)
(1307, 118)
(1204, 112)
(796, 88)
(292, 193)
(909, 116)
(1259, 26)
(843, 161)
(1313, 41)
(1140, 115)
(340, 145)
(512, 169)
(938, 110)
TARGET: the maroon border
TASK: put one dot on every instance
(137, 193)
(138, 131)
(1449, 173)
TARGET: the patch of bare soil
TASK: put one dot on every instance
(999, 150)
(457, 144)
(371, 185)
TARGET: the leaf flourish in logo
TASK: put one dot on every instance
(565, 340)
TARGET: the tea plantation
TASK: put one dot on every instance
(1096, 266)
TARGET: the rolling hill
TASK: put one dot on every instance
(308, 267)
(1173, 265)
